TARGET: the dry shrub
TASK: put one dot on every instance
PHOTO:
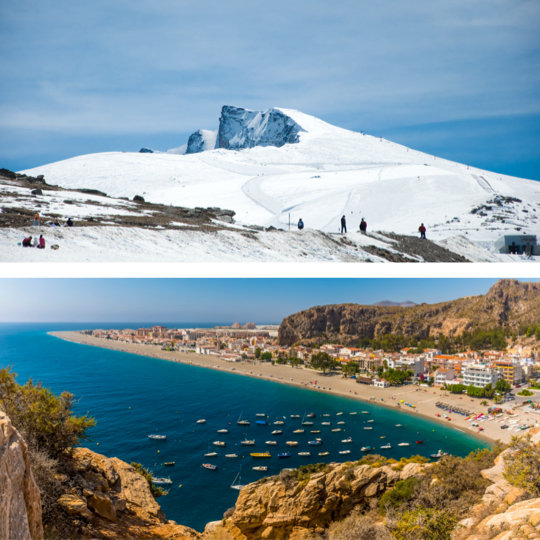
(46, 471)
(287, 479)
(358, 527)
(228, 513)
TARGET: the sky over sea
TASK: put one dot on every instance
(458, 79)
(263, 301)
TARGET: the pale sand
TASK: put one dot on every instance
(423, 398)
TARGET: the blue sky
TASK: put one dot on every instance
(456, 78)
(210, 300)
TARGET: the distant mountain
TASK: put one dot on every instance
(507, 304)
(276, 166)
(388, 303)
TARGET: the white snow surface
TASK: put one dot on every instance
(331, 172)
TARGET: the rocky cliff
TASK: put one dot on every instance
(508, 304)
(200, 141)
(20, 501)
(282, 506)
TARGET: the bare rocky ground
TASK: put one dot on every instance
(22, 196)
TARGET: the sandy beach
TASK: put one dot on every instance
(423, 398)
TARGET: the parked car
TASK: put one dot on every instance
(504, 426)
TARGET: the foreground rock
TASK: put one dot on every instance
(20, 501)
(282, 507)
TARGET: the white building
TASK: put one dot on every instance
(381, 383)
(479, 376)
(444, 375)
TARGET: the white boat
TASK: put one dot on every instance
(260, 414)
(241, 422)
(398, 425)
(365, 412)
(277, 432)
(295, 416)
(345, 441)
(291, 443)
(439, 454)
(368, 428)
(219, 443)
(202, 421)
(211, 454)
(260, 468)
(209, 466)
(271, 442)
(339, 423)
(386, 446)
(307, 423)
(352, 413)
(315, 431)
(158, 480)
(223, 431)
(231, 455)
(325, 415)
(344, 451)
(248, 442)
(237, 486)
(326, 423)
(277, 422)
(316, 441)
(365, 448)
(299, 431)
(304, 454)
(157, 437)
(369, 421)
(403, 444)
(338, 429)
(339, 414)
(324, 453)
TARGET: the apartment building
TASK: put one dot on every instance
(512, 373)
(479, 375)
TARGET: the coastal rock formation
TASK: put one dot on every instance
(114, 501)
(505, 513)
(508, 303)
(20, 501)
(241, 128)
(282, 507)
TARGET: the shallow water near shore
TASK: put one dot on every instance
(132, 396)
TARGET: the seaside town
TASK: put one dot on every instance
(252, 343)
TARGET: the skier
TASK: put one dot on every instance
(422, 231)
(343, 225)
(363, 226)
(300, 224)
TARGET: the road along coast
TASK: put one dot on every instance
(423, 398)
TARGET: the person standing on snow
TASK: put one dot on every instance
(300, 224)
(363, 226)
(422, 231)
(343, 225)
(37, 220)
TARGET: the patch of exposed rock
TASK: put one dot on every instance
(508, 304)
(279, 507)
(110, 499)
(20, 501)
(505, 513)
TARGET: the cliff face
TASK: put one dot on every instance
(508, 303)
(241, 128)
(275, 508)
(20, 501)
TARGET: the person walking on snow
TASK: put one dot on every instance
(343, 225)
(363, 226)
(300, 224)
(422, 231)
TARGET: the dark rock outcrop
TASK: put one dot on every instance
(146, 151)
(241, 128)
(201, 141)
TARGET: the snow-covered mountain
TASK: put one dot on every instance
(275, 165)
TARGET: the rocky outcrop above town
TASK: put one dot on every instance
(286, 507)
(507, 304)
(20, 501)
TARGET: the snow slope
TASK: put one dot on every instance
(328, 173)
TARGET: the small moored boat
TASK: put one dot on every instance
(324, 453)
(419, 442)
(338, 429)
(277, 432)
(271, 442)
(223, 431)
(315, 442)
(202, 421)
(157, 480)
(349, 440)
(261, 454)
(344, 451)
(260, 414)
(295, 416)
(311, 415)
(247, 442)
(261, 422)
(438, 455)
(386, 446)
(304, 454)
(284, 455)
(299, 431)
(209, 466)
(365, 448)
(403, 444)
(260, 468)
(231, 455)
(219, 443)
(368, 428)
(169, 463)
(291, 443)
(157, 437)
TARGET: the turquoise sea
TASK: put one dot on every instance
(132, 396)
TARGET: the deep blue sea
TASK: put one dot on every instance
(132, 396)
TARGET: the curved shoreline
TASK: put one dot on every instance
(423, 398)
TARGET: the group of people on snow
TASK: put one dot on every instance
(37, 222)
(363, 227)
(37, 243)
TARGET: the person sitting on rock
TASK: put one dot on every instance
(41, 242)
(27, 242)
(422, 231)
(300, 224)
